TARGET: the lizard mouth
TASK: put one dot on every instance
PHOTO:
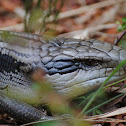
(87, 86)
(80, 82)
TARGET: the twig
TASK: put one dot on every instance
(105, 34)
(110, 114)
(82, 34)
(17, 27)
(117, 100)
(116, 88)
(105, 17)
(119, 38)
(87, 8)
(86, 17)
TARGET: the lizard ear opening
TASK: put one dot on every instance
(26, 68)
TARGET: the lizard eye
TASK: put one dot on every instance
(91, 63)
(87, 63)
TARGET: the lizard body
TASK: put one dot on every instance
(73, 66)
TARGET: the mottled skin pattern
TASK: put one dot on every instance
(73, 66)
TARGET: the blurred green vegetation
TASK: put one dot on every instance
(38, 16)
(122, 28)
(121, 24)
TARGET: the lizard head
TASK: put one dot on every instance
(76, 67)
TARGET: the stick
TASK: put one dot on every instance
(87, 8)
(119, 38)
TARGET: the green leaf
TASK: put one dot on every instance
(122, 43)
(124, 20)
